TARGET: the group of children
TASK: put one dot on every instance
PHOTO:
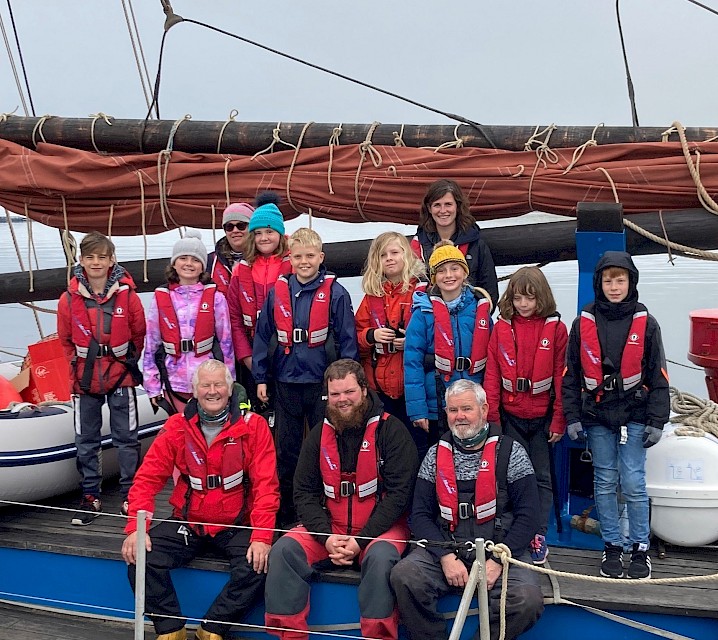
(266, 301)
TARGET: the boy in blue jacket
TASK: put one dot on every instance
(307, 322)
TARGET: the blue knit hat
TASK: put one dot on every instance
(267, 216)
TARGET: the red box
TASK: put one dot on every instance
(49, 379)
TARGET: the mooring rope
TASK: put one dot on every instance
(696, 415)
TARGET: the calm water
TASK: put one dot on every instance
(669, 291)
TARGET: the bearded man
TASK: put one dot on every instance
(352, 489)
(475, 483)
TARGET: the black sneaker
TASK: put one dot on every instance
(640, 567)
(90, 508)
(612, 561)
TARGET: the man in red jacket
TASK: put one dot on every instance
(101, 325)
(227, 465)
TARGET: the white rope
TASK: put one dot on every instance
(696, 415)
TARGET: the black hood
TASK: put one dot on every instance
(624, 261)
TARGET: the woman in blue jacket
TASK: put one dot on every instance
(447, 338)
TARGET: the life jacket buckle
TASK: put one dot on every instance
(299, 335)
(611, 384)
(462, 364)
(214, 481)
(104, 350)
(466, 510)
(346, 489)
(186, 345)
(523, 385)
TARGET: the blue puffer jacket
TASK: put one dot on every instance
(420, 383)
(303, 364)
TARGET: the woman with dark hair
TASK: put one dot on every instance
(445, 215)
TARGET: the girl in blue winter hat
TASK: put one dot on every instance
(265, 258)
(188, 322)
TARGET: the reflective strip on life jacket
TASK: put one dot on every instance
(444, 351)
(318, 314)
(119, 334)
(169, 325)
(542, 372)
(631, 358)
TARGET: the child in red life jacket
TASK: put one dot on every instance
(101, 325)
(447, 339)
(188, 323)
(307, 323)
(266, 257)
(391, 276)
(523, 379)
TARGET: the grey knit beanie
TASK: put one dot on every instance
(190, 245)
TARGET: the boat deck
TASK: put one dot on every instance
(40, 529)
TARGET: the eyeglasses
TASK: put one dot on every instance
(230, 226)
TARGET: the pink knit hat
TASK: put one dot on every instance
(237, 212)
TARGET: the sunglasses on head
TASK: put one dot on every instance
(230, 226)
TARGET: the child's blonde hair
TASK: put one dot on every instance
(306, 238)
(373, 275)
(528, 281)
(249, 247)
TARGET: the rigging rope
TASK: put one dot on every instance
(629, 80)
(146, 83)
(22, 60)
(11, 57)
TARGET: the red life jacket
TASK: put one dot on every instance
(445, 359)
(247, 291)
(221, 275)
(447, 491)
(348, 493)
(230, 480)
(318, 330)
(119, 336)
(591, 358)
(542, 373)
(418, 249)
(203, 338)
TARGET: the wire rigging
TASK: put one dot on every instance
(22, 60)
(703, 6)
(137, 49)
(629, 80)
(11, 58)
(173, 18)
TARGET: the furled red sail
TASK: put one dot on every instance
(81, 190)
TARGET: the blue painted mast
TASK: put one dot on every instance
(599, 228)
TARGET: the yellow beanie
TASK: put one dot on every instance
(444, 253)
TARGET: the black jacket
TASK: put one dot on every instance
(649, 403)
(482, 272)
(399, 466)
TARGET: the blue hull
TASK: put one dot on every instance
(99, 587)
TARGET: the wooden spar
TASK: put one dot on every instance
(247, 138)
(550, 242)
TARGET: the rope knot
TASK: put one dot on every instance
(500, 551)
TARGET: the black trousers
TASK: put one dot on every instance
(172, 549)
(295, 402)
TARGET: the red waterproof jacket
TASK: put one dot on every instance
(107, 370)
(245, 436)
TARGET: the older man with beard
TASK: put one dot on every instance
(475, 483)
(352, 489)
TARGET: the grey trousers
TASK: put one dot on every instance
(418, 582)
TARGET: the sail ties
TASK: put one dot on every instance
(37, 130)
(707, 202)
(333, 142)
(456, 143)
(543, 153)
(291, 169)
(578, 152)
(143, 221)
(232, 115)
(366, 147)
(163, 163)
(275, 139)
(95, 117)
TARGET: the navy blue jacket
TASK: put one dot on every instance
(303, 364)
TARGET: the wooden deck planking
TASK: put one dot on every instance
(34, 528)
